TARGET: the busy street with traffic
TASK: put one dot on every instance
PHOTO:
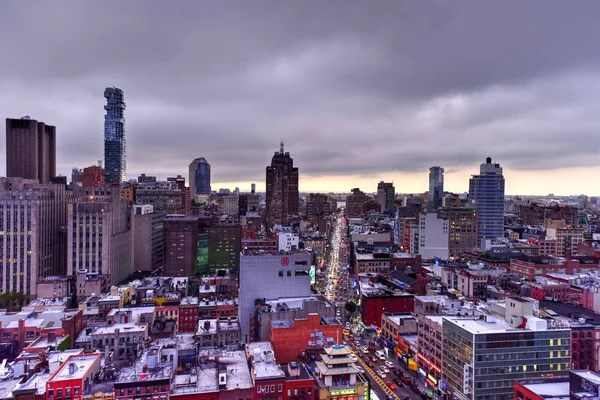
(389, 379)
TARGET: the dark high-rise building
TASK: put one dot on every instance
(354, 201)
(385, 196)
(148, 242)
(30, 149)
(143, 178)
(282, 189)
(181, 237)
(224, 246)
(115, 166)
(199, 176)
(462, 232)
(436, 188)
(486, 192)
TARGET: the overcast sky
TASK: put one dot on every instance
(360, 91)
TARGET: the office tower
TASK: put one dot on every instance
(76, 176)
(385, 196)
(93, 176)
(148, 242)
(463, 227)
(482, 356)
(186, 199)
(115, 166)
(32, 238)
(224, 246)
(163, 196)
(436, 187)
(30, 149)
(143, 178)
(231, 204)
(99, 234)
(181, 237)
(199, 177)
(354, 202)
(486, 193)
(282, 189)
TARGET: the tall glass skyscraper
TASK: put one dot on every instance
(200, 176)
(436, 187)
(486, 192)
(115, 167)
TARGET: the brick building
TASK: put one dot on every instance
(73, 377)
(377, 298)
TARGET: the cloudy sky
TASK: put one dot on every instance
(359, 91)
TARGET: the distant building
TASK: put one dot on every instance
(386, 193)
(148, 238)
(567, 240)
(463, 228)
(224, 246)
(181, 246)
(199, 174)
(30, 149)
(93, 176)
(282, 194)
(99, 234)
(163, 196)
(287, 241)
(486, 192)
(231, 204)
(354, 202)
(436, 188)
(377, 298)
(33, 242)
(143, 178)
(433, 236)
(115, 159)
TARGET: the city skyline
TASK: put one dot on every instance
(305, 79)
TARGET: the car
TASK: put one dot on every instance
(353, 357)
(385, 369)
(389, 364)
(382, 357)
(381, 374)
(370, 364)
(391, 385)
(365, 351)
(397, 381)
(360, 369)
(374, 359)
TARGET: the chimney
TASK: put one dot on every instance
(71, 368)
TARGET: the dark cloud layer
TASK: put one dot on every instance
(352, 87)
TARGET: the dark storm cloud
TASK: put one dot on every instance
(352, 87)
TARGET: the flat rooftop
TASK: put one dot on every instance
(207, 327)
(123, 328)
(83, 363)
(236, 363)
(550, 391)
(395, 318)
(265, 365)
(476, 325)
(588, 375)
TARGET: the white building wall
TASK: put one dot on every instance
(433, 237)
(268, 276)
(286, 241)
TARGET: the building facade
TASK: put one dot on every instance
(115, 166)
(354, 201)
(199, 173)
(385, 196)
(433, 236)
(180, 246)
(100, 240)
(30, 149)
(486, 193)
(164, 196)
(148, 242)
(436, 188)
(282, 194)
(33, 242)
(462, 229)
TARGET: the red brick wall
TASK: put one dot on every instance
(372, 307)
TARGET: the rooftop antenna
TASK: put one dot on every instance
(281, 147)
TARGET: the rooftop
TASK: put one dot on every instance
(75, 367)
(161, 370)
(207, 327)
(550, 390)
(37, 382)
(264, 364)
(395, 318)
(125, 327)
(236, 363)
(588, 375)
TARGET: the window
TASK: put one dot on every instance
(272, 388)
(68, 392)
(280, 387)
(51, 393)
(280, 273)
(59, 393)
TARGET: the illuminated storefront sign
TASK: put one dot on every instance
(432, 379)
(344, 392)
(422, 372)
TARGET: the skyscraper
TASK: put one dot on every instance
(385, 196)
(282, 189)
(30, 149)
(436, 187)
(199, 176)
(115, 166)
(486, 192)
